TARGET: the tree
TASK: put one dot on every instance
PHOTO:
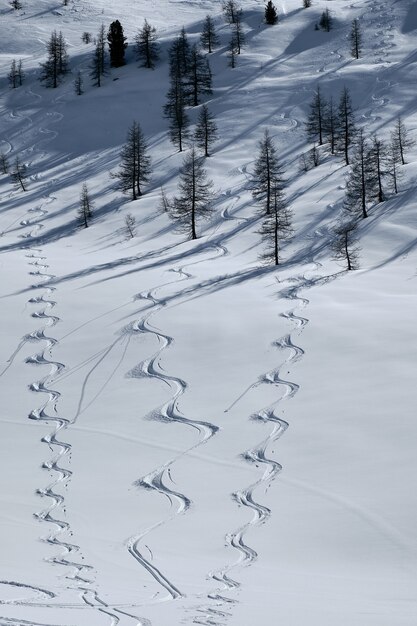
(232, 52)
(20, 73)
(18, 174)
(330, 125)
(4, 163)
(16, 5)
(238, 33)
(357, 187)
(78, 84)
(345, 243)
(306, 4)
(164, 202)
(135, 169)
(198, 79)
(326, 21)
(179, 56)
(85, 210)
(316, 119)
(355, 38)
(98, 66)
(230, 9)
(271, 13)
(130, 223)
(376, 161)
(393, 171)
(209, 38)
(175, 111)
(401, 140)
(195, 195)
(117, 44)
(277, 226)
(267, 172)
(12, 75)
(346, 125)
(56, 64)
(86, 37)
(147, 47)
(206, 130)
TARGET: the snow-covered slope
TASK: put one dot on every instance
(153, 388)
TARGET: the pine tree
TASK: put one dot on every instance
(358, 187)
(135, 169)
(230, 9)
(346, 125)
(330, 125)
(179, 57)
(271, 13)
(147, 47)
(326, 21)
(56, 64)
(98, 66)
(78, 84)
(4, 163)
(345, 243)
(393, 171)
(206, 130)
(198, 79)
(376, 161)
(85, 210)
(267, 172)
(209, 38)
(193, 203)
(16, 5)
(306, 4)
(20, 73)
(238, 34)
(18, 174)
(401, 140)
(12, 75)
(355, 38)
(277, 226)
(232, 52)
(175, 111)
(130, 223)
(86, 37)
(316, 119)
(117, 44)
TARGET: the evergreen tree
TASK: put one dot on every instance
(20, 73)
(346, 125)
(271, 13)
(358, 189)
(206, 130)
(393, 171)
(16, 5)
(117, 44)
(18, 174)
(198, 79)
(209, 38)
(175, 111)
(147, 47)
(135, 169)
(78, 84)
(98, 66)
(267, 172)
(56, 64)
(306, 4)
(4, 163)
(85, 210)
(12, 75)
(355, 38)
(86, 37)
(401, 140)
(330, 125)
(238, 34)
(345, 243)
(326, 21)
(232, 52)
(195, 195)
(231, 8)
(316, 119)
(376, 161)
(277, 226)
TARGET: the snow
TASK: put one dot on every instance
(188, 436)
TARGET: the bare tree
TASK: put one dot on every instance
(206, 130)
(98, 66)
(18, 174)
(12, 75)
(345, 243)
(357, 187)
(317, 118)
(130, 223)
(401, 140)
(232, 52)
(230, 9)
(147, 47)
(209, 38)
(194, 202)
(277, 225)
(135, 169)
(346, 125)
(175, 111)
(78, 84)
(86, 207)
(56, 65)
(4, 163)
(355, 38)
(267, 172)
(238, 33)
(393, 169)
(376, 162)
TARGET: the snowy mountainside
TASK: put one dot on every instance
(187, 435)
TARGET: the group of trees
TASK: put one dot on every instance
(16, 74)
(17, 171)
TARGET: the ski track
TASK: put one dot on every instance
(168, 412)
(258, 456)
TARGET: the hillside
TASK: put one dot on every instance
(189, 436)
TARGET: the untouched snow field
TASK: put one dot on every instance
(153, 389)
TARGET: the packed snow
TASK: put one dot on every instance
(189, 436)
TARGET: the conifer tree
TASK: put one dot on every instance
(18, 174)
(206, 130)
(209, 38)
(16, 5)
(277, 225)
(135, 169)
(20, 73)
(345, 243)
(271, 13)
(12, 75)
(376, 161)
(194, 202)
(4, 163)
(85, 210)
(147, 47)
(175, 111)
(86, 37)
(98, 66)
(238, 34)
(358, 187)
(232, 52)
(117, 44)
(401, 140)
(326, 21)
(306, 4)
(179, 56)
(316, 119)
(198, 79)
(330, 125)
(56, 64)
(346, 125)
(393, 171)
(355, 38)
(78, 84)
(230, 9)
(267, 172)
